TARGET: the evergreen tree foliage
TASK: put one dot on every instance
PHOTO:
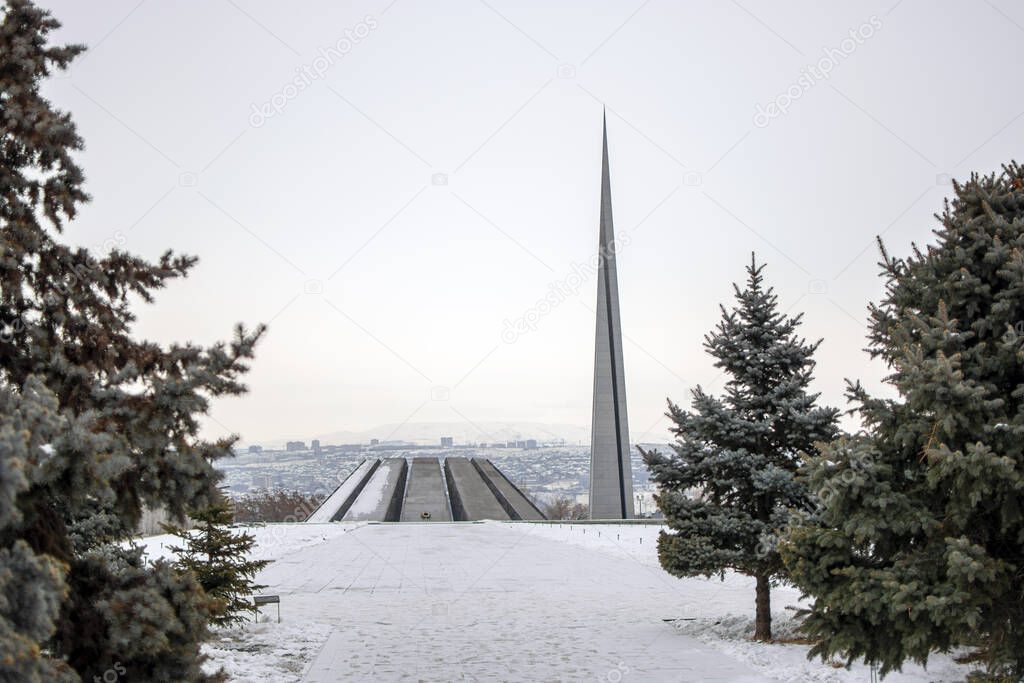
(919, 546)
(144, 619)
(219, 559)
(32, 586)
(94, 423)
(730, 487)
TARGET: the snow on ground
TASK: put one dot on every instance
(273, 541)
(638, 542)
(267, 651)
(731, 636)
(507, 601)
(720, 613)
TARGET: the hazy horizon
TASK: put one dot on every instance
(390, 246)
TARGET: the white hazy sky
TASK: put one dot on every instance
(387, 294)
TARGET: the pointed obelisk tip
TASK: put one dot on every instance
(604, 132)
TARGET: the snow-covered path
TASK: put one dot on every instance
(507, 601)
(488, 602)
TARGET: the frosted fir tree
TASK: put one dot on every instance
(731, 485)
(920, 543)
(94, 424)
(219, 558)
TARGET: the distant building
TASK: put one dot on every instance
(255, 449)
(447, 442)
(510, 444)
(374, 442)
(295, 446)
(315, 446)
(531, 444)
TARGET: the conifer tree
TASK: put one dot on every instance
(94, 424)
(730, 486)
(219, 559)
(919, 546)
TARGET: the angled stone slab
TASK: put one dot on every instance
(381, 497)
(426, 493)
(472, 498)
(337, 504)
(515, 502)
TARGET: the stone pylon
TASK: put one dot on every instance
(611, 475)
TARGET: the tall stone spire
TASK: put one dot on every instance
(611, 475)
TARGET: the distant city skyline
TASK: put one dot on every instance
(428, 433)
(431, 263)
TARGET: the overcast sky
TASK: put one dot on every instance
(390, 185)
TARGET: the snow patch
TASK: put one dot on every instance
(273, 541)
(268, 651)
(731, 635)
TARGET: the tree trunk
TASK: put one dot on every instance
(763, 620)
